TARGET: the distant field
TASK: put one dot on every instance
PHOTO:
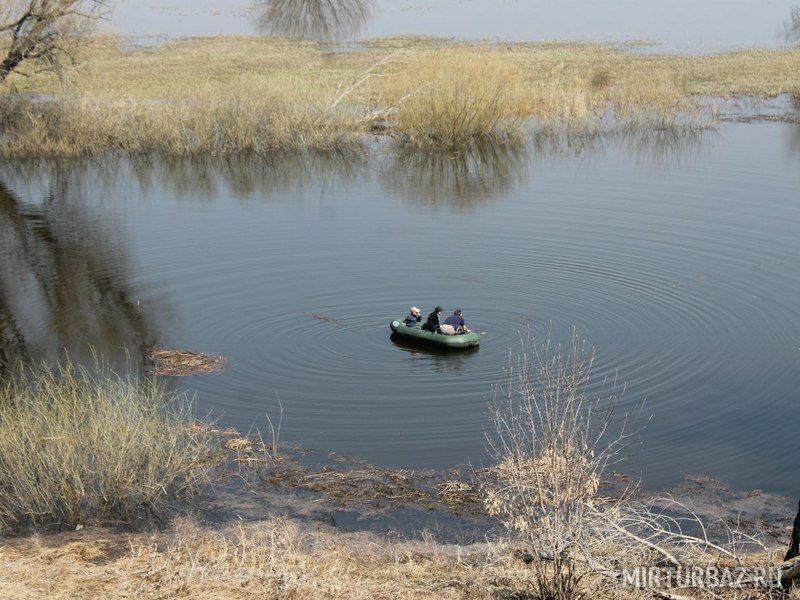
(248, 93)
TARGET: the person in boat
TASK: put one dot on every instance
(414, 317)
(432, 324)
(456, 322)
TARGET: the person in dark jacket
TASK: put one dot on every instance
(414, 317)
(432, 324)
(457, 322)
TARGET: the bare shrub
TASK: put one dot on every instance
(553, 444)
(549, 441)
(76, 447)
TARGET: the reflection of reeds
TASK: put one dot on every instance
(459, 178)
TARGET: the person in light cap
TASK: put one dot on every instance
(414, 317)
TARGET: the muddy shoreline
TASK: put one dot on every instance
(351, 495)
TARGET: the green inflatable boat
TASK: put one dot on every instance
(416, 333)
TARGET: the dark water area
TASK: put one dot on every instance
(678, 259)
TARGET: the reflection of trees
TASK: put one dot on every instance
(62, 282)
(458, 179)
(314, 19)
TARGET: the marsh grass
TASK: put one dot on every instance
(228, 95)
(77, 447)
(73, 127)
(453, 100)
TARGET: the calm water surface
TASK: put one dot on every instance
(677, 26)
(678, 260)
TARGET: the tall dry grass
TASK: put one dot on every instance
(74, 127)
(76, 446)
(450, 100)
(226, 95)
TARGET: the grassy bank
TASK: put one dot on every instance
(250, 94)
(75, 448)
(81, 450)
(281, 558)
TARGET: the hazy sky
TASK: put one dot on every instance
(682, 25)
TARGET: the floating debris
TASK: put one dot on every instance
(321, 317)
(182, 363)
(457, 493)
(240, 444)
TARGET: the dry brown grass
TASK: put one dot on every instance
(76, 447)
(271, 559)
(276, 558)
(447, 100)
(250, 94)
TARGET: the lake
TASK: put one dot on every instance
(691, 26)
(677, 258)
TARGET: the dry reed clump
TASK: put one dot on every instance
(65, 126)
(77, 447)
(177, 363)
(451, 100)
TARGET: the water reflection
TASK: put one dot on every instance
(665, 148)
(462, 180)
(323, 20)
(457, 179)
(63, 282)
(201, 177)
(441, 360)
(659, 148)
(245, 175)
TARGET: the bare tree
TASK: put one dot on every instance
(791, 29)
(314, 19)
(44, 33)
